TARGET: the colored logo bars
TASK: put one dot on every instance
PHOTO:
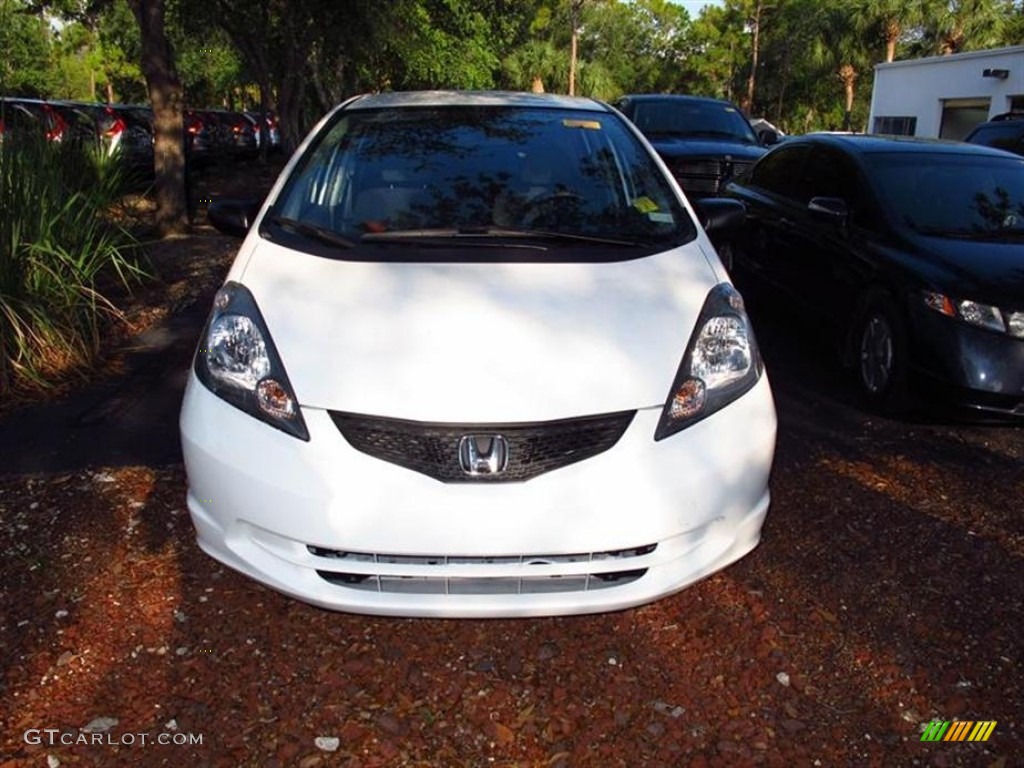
(958, 730)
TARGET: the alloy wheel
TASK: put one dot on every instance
(876, 354)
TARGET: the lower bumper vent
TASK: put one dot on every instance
(505, 575)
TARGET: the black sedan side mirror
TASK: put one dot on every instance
(720, 215)
(233, 217)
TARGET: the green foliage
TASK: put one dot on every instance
(639, 45)
(446, 45)
(210, 69)
(26, 65)
(120, 54)
(58, 248)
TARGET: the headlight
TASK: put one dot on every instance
(976, 314)
(1015, 323)
(721, 363)
(237, 361)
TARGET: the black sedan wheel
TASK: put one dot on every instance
(880, 339)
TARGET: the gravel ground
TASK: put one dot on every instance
(886, 594)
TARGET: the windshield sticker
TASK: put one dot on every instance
(591, 125)
(661, 218)
(645, 205)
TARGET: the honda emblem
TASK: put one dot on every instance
(481, 455)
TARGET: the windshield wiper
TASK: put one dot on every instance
(322, 234)
(485, 236)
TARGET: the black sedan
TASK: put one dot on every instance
(910, 250)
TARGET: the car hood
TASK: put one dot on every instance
(683, 147)
(478, 342)
(980, 270)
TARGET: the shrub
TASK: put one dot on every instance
(58, 249)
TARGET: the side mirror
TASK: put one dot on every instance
(832, 209)
(233, 217)
(720, 215)
(768, 137)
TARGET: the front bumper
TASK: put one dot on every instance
(340, 529)
(969, 366)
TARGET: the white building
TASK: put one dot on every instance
(945, 96)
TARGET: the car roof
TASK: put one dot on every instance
(872, 143)
(650, 97)
(472, 98)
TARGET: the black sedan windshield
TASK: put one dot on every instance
(480, 177)
(684, 118)
(953, 195)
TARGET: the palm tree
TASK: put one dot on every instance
(840, 51)
(533, 64)
(960, 25)
(891, 19)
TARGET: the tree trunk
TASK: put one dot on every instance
(754, 52)
(892, 36)
(574, 44)
(848, 75)
(165, 94)
(572, 64)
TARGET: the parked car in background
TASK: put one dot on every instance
(1004, 131)
(477, 357)
(31, 117)
(910, 250)
(238, 134)
(124, 130)
(705, 142)
(80, 127)
(203, 138)
(273, 130)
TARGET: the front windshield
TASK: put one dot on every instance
(685, 118)
(958, 195)
(487, 176)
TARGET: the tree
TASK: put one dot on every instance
(840, 51)
(640, 46)
(755, 16)
(715, 56)
(888, 20)
(165, 96)
(954, 26)
(27, 64)
(789, 86)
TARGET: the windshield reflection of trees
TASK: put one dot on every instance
(417, 135)
(439, 152)
(998, 212)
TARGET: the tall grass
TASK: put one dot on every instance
(59, 247)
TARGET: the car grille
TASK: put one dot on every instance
(512, 575)
(702, 178)
(433, 449)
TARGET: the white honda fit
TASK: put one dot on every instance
(476, 357)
